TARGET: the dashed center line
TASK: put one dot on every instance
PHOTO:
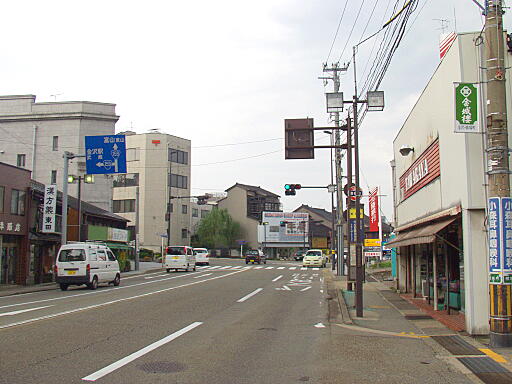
(207, 274)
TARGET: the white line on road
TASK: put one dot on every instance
(23, 311)
(237, 267)
(319, 325)
(286, 288)
(303, 269)
(140, 275)
(277, 278)
(305, 289)
(269, 268)
(249, 295)
(316, 269)
(114, 301)
(207, 274)
(217, 266)
(258, 267)
(292, 268)
(280, 267)
(154, 277)
(128, 359)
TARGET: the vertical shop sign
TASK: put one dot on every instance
(49, 208)
(506, 207)
(466, 108)
(373, 203)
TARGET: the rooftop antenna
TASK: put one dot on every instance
(55, 96)
(444, 24)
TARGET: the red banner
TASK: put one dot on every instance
(374, 210)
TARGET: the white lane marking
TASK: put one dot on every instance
(303, 269)
(321, 291)
(154, 277)
(292, 268)
(206, 274)
(305, 289)
(246, 297)
(269, 268)
(286, 288)
(319, 325)
(128, 359)
(114, 301)
(258, 267)
(139, 275)
(226, 267)
(96, 292)
(316, 269)
(277, 278)
(23, 310)
(280, 267)
(237, 267)
(247, 267)
(216, 267)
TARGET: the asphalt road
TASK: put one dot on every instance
(227, 323)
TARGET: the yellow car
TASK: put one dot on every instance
(314, 258)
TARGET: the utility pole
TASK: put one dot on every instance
(497, 154)
(336, 69)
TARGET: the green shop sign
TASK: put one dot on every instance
(466, 108)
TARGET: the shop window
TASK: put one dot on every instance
(55, 143)
(195, 212)
(17, 202)
(184, 209)
(2, 198)
(20, 160)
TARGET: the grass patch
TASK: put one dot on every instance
(382, 264)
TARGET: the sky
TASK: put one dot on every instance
(226, 74)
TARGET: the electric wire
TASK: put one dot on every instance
(337, 30)
(351, 30)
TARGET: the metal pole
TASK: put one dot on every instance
(67, 155)
(333, 217)
(379, 220)
(137, 266)
(349, 204)
(498, 159)
(79, 195)
(359, 255)
(169, 196)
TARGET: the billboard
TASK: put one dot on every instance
(284, 227)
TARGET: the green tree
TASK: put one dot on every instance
(218, 230)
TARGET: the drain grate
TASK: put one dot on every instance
(161, 367)
(456, 345)
(487, 370)
(418, 317)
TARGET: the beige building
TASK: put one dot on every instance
(245, 204)
(35, 136)
(159, 171)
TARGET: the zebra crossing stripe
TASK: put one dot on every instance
(269, 268)
(280, 267)
(292, 268)
(303, 269)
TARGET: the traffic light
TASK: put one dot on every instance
(283, 223)
(289, 189)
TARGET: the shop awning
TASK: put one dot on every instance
(422, 235)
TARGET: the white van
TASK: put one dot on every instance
(179, 257)
(202, 256)
(86, 263)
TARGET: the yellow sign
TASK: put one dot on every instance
(319, 242)
(352, 213)
(372, 242)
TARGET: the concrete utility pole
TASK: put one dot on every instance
(498, 163)
(336, 69)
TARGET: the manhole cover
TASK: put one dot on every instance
(161, 367)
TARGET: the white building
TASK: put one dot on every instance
(35, 135)
(154, 161)
(439, 195)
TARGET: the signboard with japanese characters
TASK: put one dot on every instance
(506, 207)
(49, 208)
(466, 108)
(105, 154)
(373, 203)
(9, 227)
(495, 241)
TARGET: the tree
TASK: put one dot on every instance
(218, 230)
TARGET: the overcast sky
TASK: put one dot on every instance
(224, 72)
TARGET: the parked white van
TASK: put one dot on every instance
(86, 263)
(179, 257)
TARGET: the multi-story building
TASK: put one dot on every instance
(159, 172)
(34, 136)
(245, 204)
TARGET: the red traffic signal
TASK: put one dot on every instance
(297, 186)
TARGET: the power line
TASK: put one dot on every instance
(352, 30)
(337, 30)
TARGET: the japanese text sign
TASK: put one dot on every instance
(105, 154)
(49, 208)
(373, 204)
(466, 108)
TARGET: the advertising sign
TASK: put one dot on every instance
(285, 227)
(466, 108)
(373, 203)
(105, 154)
(372, 242)
(506, 214)
(495, 240)
(49, 208)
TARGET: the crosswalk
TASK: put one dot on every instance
(240, 267)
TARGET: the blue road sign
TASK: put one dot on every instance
(105, 154)
(495, 240)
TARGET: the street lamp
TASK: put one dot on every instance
(333, 266)
(72, 179)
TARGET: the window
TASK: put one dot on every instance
(132, 154)
(184, 209)
(126, 180)
(102, 255)
(2, 198)
(184, 233)
(178, 181)
(177, 156)
(170, 207)
(55, 143)
(20, 161)
(17, 202)
(53, 179)
(111, 256)
(204, 213)
(195, 212)
(122, 206)
(72, 255)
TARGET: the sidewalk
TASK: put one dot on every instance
(9, 289)
(387, 313)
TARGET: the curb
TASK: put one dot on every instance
(345, 314)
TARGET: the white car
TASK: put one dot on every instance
(179, 257)
(86, 263)
(202, 256)
(314, 258)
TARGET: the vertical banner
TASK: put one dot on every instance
(466, 108)
(495, 240)
(49, 208)
(374, 209)
(506, 208)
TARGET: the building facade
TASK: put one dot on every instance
(35, 136)
(157, 185)
(439, 196)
